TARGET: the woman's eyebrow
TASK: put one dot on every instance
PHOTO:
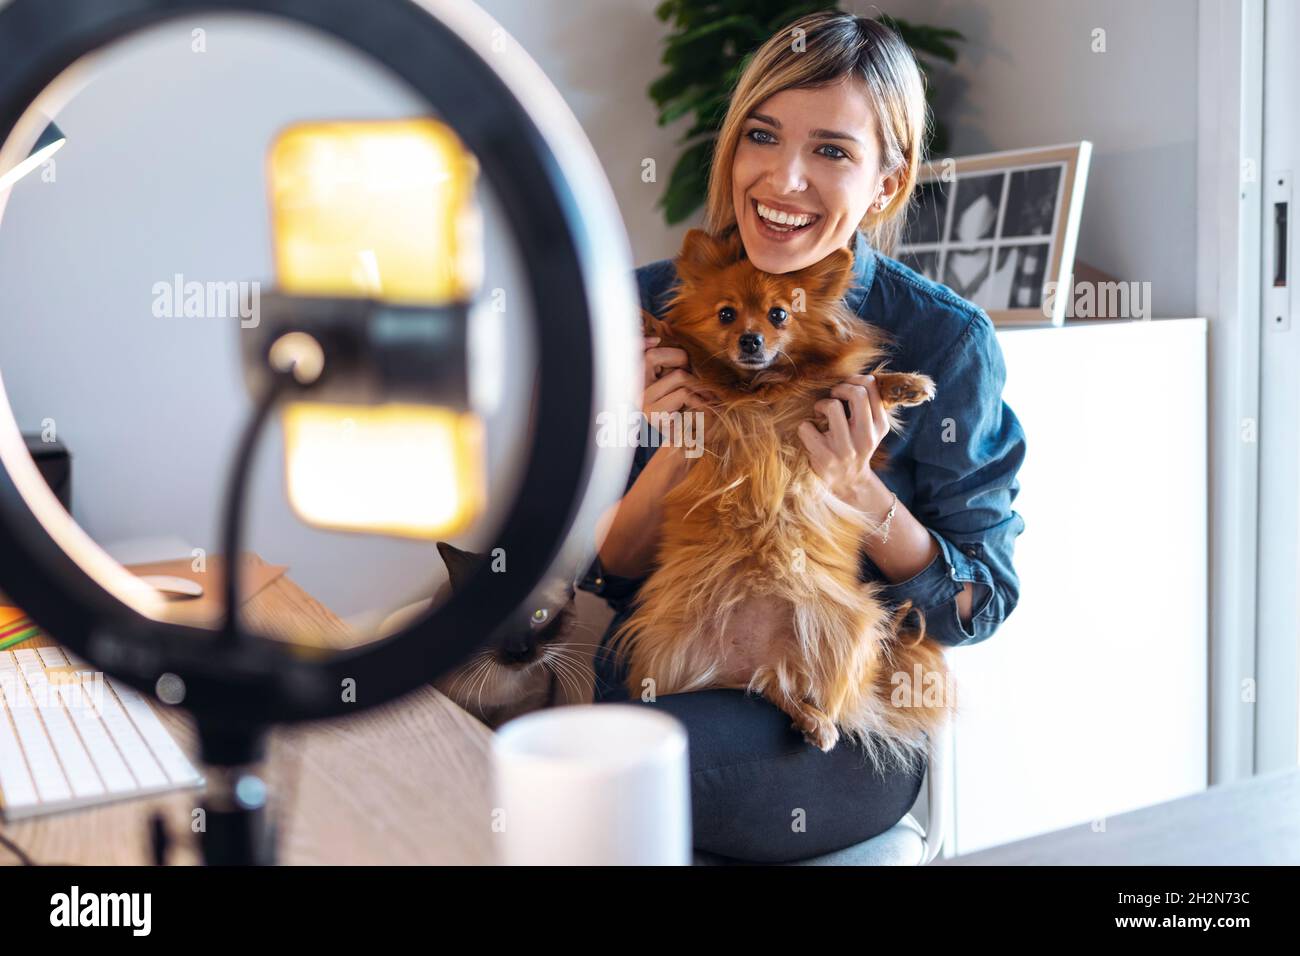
(812, 133)
(832, 134)
(764, 118)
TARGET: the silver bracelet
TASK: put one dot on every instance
(889, 517)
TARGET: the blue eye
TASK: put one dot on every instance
(842, 154)
(777, 315)
(727, 315)
(760, 132)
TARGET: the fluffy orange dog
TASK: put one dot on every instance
(757, 584)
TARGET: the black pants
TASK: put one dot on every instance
(760, 793)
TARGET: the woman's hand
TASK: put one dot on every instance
(670, 385)
(629, 532)
(841, 456)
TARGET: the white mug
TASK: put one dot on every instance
(593, 785)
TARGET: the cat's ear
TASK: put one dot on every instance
(460, 564)
(830, 278)
(703, 253)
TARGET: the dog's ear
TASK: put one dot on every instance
(731, 240)
(827, 281)
(650, 325)
(703, 253)
(460, 564)
(830, 278)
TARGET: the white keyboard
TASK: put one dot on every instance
(70, 737)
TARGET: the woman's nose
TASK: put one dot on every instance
(787, 176)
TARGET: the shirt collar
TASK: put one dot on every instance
(864, 271)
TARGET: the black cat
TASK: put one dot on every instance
(532, 666)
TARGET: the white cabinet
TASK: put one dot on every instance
(1091, 699)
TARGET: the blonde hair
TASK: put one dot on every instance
(821, 49)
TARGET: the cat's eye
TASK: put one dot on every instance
(777, 315)
(727, 314)
(540, 616)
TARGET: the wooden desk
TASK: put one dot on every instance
(404, 783)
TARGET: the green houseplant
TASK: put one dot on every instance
(709, 45)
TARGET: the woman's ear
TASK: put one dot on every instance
(702, 253)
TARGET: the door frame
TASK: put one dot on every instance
(1229, 140)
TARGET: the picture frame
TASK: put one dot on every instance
(1000, 229)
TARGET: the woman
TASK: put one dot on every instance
(827, 123)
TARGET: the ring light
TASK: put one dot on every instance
(560, 210)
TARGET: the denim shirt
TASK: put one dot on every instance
(953, 465)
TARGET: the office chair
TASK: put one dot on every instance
(907, 843)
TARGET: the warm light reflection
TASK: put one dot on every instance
(410, 470)
(384, 210)
(380, 209)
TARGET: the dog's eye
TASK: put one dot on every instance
(727, 314)
(777, 315)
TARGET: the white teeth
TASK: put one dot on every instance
(783, 218)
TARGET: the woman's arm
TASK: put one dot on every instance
(966, 447)
(910, 548)
(629, 531)
(628, 546)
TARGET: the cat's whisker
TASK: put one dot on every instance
(568, 673)
(571, 688)
(469, 676)
(576, 662)
(581, 643)
(576, 652)
(554, 666)
(486, 672)
(467, 670)
(481, 675)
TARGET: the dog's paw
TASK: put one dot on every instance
(824, 739)
(904, 389)
(821, 732)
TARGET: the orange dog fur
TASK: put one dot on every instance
(757, 580)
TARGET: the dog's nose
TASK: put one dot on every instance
(751, 342)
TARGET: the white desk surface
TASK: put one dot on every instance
(1254, 822)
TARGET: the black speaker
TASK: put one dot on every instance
(55, 465)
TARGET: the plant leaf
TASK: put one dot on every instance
(689, 182)
(784, 18)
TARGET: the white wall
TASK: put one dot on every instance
(602, 55)
(1027, 76)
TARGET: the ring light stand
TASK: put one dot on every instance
(578, 277)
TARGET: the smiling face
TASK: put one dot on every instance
(806, 169)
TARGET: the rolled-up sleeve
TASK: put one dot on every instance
(967, 446)
(617, 591)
